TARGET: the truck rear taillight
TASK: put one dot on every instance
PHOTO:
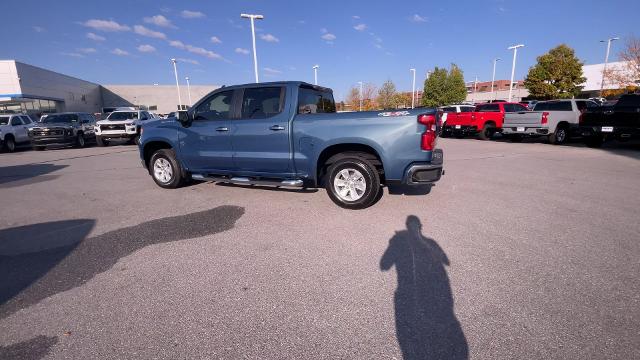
(545, 119)
(428, 141)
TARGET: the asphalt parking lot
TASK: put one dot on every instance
(521, 251)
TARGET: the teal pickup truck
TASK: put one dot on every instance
(289, 134)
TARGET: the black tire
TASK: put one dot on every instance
(487, 132)
(560, 136)
(166, 158)
(80, 141)
(101, 142)
(359, 168)
(594, 141)
(9, 144)
(38, 148)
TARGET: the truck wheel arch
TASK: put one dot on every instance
(151, 147)
(333, 152)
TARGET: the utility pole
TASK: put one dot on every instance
(315, 74)
(175, 71)
(253, 37)
(513, 67)
(413, 88)
(606, 60)
(189, 90)
(493, 78)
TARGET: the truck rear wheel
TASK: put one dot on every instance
(560, 136)
(487, 132)
(165, 169)
(352, 183)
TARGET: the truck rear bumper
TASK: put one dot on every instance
(460, 129)
(421, 173)
(610, 132)
(525, 130)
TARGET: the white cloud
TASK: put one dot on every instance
(141, 30)
(378, 39)
(87, 50)
(190, 61)
(324, 30)
(216, 40)
(105, 25)
(302, 22)
(95, 37)
(501, 9)
(188, 14)
(328, 37)
(269, 38)
(360, 27)
(72, 54)
(196, 50)
(356, 17)
(146, 48)
(378, 46)
(159, 20)
(271, 70)
(242, 51)
(418, 18)
(119, 52)
(38, 29)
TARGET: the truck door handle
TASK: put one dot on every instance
(222, 128)
(276, 128)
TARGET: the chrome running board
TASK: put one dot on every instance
(249, 181)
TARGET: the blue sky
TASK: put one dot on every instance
(130, 42)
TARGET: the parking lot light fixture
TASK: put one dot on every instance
(253, 17)
(513, 67)
(315, 74)
(606, 61)
(189, 90)
(413, 88)
(175, 71)
(493, 77)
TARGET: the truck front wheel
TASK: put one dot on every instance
(352, 183)
(101, 142)
(165, 169)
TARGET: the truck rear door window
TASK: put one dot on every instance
(261, 103)
(315, 101)
(488, 108)
(553, 106)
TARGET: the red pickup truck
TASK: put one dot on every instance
(484, 121)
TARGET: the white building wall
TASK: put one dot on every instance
(165, 97)
(517, 95)
(9, 84)
(77, 95)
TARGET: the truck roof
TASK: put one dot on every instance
(276, 83)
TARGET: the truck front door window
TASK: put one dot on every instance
(217, 107)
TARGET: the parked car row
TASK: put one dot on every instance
(71, 129)
(556, 120)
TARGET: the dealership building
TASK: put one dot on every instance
(29, 89)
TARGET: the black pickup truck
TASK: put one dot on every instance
(620, 121)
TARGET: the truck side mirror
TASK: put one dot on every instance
(184, 118)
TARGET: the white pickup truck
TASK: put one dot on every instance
(121, 124)
(558, 120)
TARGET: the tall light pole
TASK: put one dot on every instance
(175, 71)
(606, 60)
(315, 74)
(189, 90)
(493, 78)
(513, 67)
(253, 37)
(360, 82)
(413, 88)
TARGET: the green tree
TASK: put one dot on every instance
(435, 88)
(557, 75)
(386, 95)
(444, 87)
(456, 91)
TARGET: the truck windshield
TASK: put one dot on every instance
(123, 115)
(4, 120)
(60, 118)
(315, 101)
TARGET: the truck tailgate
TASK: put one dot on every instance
(523, 118)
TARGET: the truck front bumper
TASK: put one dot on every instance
(53, 140)
(420, 173)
